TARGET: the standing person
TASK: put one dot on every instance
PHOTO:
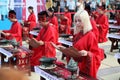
(80, 5)
(62, 5)
(72, 6)
(42, 44)
(56, 6)
(102, 24)
(16, 29)
(89, 55)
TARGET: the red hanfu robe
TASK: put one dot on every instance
(32, 20)
(54, 21)
(88, 64)
(64, 26)
(102, 20)
(15, 31)
(95, 29)
(47, 35)
(68, 15)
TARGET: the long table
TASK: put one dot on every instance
(47, 75)
(114, 38)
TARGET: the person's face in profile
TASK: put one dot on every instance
(78, 22)
(30, 10)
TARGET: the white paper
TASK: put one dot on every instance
(44, 74)
(5, 52)
(34, 33)
(117, 55)
(65, 42)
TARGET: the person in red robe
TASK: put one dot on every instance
(42, 44)
(31, 18)
(68, 15)
(117, 18)
(15, 31)
(64, 27)
(92, 20)
(30, 23)
(52, 18)
(102, 24)
(89, 55)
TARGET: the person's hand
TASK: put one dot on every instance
(6, 34)
(41, 43)
(83, 53)
(58, 46)
(98, 25)
(28, 22)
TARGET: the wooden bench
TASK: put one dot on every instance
(114, 38)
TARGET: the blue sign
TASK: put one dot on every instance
(5, 24)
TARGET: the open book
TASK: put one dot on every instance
(71, 51)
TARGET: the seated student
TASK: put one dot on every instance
(117, 18)
(42, 44)
(89, 55)
(31, 18)
(52, 18)
(16, 29)
(30, 23)
(92, 20)
(68, 15)
(102, 24)
(64, 27)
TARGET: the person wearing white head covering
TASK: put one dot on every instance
(90, 55)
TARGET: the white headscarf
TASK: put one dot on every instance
(83, 15)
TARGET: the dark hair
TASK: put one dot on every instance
(88, 8)
(42, 14)
(12, 12)
(67, 7)
(30, 7)
(51, 9)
